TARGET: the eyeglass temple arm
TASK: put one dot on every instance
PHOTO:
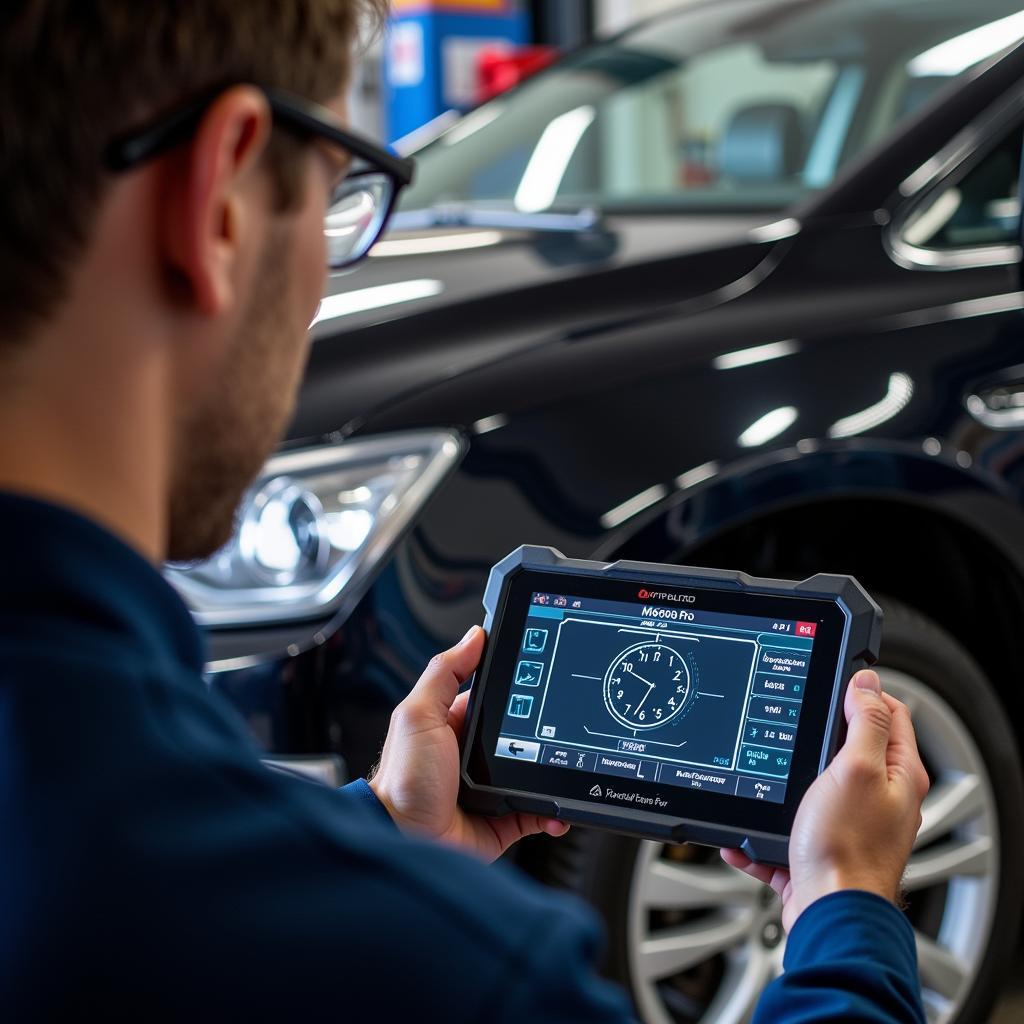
(135, 147)
(318, 120)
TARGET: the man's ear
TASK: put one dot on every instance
(209, 206)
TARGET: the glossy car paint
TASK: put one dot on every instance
(581, 366)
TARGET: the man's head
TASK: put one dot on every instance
(212, 253)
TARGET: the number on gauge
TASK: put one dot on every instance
(646, 686)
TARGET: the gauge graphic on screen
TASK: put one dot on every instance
(646, 686)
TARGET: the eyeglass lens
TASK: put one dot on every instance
(356, 217)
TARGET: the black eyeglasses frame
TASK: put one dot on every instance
(290, 111)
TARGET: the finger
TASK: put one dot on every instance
(903, 752)
(553, 826)
(739, 860)
(891, 702)
(735, 858)
(438, 686)
(780, 883)
(869, 718)
(510, 828)
(457, 714)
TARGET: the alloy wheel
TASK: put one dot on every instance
(704, 939)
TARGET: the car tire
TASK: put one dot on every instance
(965, 880)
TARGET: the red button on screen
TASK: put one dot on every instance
(806, 628)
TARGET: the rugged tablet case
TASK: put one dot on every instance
(859, 650)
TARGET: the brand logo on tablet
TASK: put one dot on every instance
(596, 791)
(631, 797)
(658, 595)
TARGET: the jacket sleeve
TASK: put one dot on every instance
(552, 978)
(850, 957)
(359, 792)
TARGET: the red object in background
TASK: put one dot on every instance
(693, 175)
(499, 68)
(806, 628)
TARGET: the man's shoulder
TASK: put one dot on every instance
(181, 847)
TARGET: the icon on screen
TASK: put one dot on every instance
(520, 706)
(528, 673)
(536, 640)
(547, 731)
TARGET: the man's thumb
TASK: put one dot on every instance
(440, 682)
(869, 717)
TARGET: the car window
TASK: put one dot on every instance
(981, 207)
(727, 122)
(725, 105)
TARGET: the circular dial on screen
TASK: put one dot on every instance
(646, 686)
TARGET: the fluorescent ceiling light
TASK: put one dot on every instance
(757, 354)
(618, 515)
(347, 303)
(956, 55)
(697, 475)
(901, 387)
(539, 184)
(436, 243)
(768, 427)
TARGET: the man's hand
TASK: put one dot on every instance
(857, 823)
(418, 777)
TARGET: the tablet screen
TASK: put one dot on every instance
(657, 692)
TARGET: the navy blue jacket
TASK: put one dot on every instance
(151, 868)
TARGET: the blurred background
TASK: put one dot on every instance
(441, 57)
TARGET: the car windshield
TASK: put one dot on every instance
(733, 104)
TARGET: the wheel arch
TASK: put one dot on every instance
(945, 541)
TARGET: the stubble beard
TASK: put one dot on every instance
(224, 443)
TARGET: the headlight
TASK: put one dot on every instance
(313, 527)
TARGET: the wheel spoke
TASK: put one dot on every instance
(940, 970)
(941, 863)
(677, 949)
(671, 886)
(951, 802)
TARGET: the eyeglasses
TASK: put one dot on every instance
(360, 206)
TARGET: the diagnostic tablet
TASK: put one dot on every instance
(683, 704)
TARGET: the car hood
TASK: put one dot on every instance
(440, 301)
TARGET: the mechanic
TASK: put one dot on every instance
(154, 329)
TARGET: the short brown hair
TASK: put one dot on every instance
(76, 73)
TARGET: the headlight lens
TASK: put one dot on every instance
(313, 527)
